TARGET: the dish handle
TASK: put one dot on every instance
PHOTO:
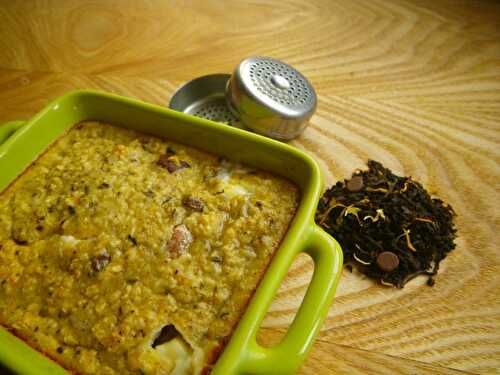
(9, 128)
(291, 351)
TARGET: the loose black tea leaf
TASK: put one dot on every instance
(388, 226)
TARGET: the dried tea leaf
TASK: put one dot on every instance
(399, 217)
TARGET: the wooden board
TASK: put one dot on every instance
(413, 84)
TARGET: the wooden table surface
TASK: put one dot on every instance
(413, 84)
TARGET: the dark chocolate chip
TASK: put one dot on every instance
(99, 262)
(216, 259)
(184, 164)
(20, 241)
(132, 239)
(171, 166)
(163, 160)
(355, 183)
(387, 261)
(193, 203)
(149, 193)
(166, 334)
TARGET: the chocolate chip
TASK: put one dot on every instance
(166, 334)
(163, 160)
(99, 262)
(132, 239)
(387, 261)
(193, 203)
(184, 164)
(172, 166)
(149, 193)
(171, 163)
(355, 184)
(216, 259)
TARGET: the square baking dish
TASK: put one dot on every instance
(21, 143)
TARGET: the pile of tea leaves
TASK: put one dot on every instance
(389, 227)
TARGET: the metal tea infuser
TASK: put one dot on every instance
(264, 95)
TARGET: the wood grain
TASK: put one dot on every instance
(346, 360)
(414, 84)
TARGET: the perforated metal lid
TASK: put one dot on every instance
(271, 97)
(263, 94)
(215, 112)
(205, 97)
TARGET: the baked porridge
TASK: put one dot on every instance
(123, 253)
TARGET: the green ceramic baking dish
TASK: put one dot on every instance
(21, 143)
